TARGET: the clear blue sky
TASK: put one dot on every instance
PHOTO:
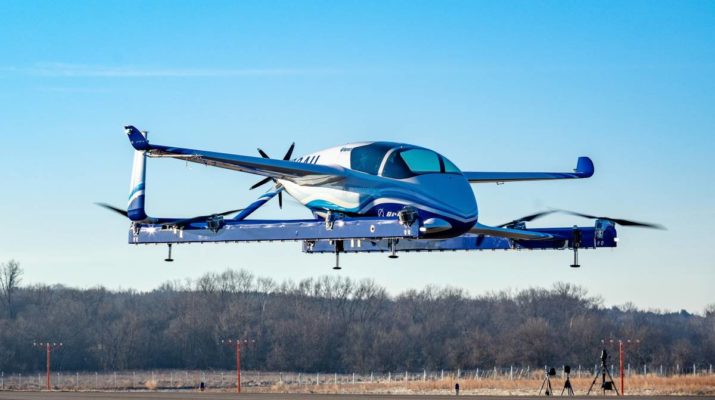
(493, 85)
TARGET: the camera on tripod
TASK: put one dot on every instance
(606, 378)
(547, 382)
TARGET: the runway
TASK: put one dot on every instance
(270, 396)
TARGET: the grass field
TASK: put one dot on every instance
(637, 385)
(255, 382)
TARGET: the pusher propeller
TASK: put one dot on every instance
(115, 209)
(173, 223)
(181, 223)
(527, 218)
(619, 221)
(263, 181)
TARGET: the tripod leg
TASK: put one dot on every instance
(570, 388)
(595, 378)
(542, 386)
(612, 382)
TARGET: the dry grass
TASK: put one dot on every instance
(637, 385)
(254, 381)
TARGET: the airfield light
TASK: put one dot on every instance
(237, 343)
(49, 347)
(622, 351)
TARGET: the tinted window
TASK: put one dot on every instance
(403, 164)
(368, 158)
(449, 167)
(395, 167)
(421, 161)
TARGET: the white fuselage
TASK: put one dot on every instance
(443, 199)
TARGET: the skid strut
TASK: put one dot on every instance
(576, 245)
(168, 258)
(339, 247)
(393, 248)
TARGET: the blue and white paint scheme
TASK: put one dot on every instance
(364, 197)
(135, 204)
(369, 179)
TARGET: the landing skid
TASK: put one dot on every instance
(366, 235)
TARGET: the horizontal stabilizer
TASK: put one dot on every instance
(584, 169)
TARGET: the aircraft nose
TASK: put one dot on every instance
(464, 199)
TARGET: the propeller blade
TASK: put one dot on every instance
(619, 221)
(289, 152)
(180, 223)
(115, 209)
(528, 218)
(263, 153)
(226, 212)
(261, 182)
(280, 199)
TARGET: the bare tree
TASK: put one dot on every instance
(10, 278)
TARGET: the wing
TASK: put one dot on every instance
(480, 229)
(584, 169)
(300, 173)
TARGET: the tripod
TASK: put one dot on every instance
(567, 385)
(606, 384)
(547, 382)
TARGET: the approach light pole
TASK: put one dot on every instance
(622, 352)
(49, 347)
(237, 344)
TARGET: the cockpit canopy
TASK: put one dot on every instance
(398, 161)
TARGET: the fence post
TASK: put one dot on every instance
(134, 377)
(511, 373)
(694, 369)
(19, 386)
(353, 378)
(370, 377)
(424, 375)
(442, 376)
(335, 378)
(407, 378)
(317, 378)
(115, 380)
(389, 376)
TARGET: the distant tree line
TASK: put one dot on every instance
(330, 324)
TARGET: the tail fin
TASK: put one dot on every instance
(136, 138)
(135, 207)
(584, 167)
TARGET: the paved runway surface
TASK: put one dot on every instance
(266, 396)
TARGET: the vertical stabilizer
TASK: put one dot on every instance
(135, 207)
